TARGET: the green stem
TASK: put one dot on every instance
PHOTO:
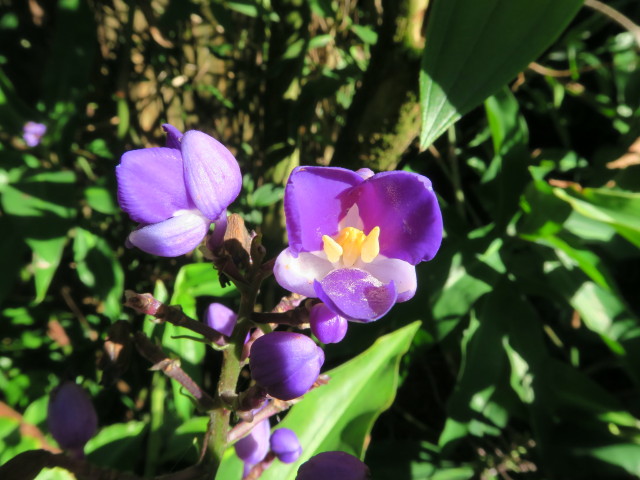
(231, 366)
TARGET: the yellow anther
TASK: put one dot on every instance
(352, 244)
(331, 248)
(351, 241)
(371, 246)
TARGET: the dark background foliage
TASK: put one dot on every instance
(527, 363)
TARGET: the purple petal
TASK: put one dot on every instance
(150, 185)
(401, 273)
(173, 237)
(211, 173)
(313, 204)
(221, 318)
(406, 209)
(356, 294)
(297, 274)
(173, 136)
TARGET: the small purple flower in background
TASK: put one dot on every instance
(71, 418)
(222, 319)
(355, 237)
(175, 193)
(285, 445)
(254, 447)
(327, 326)
(32, 133)
(333, 465)
(285, 364)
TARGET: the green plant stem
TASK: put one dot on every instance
(231, 366)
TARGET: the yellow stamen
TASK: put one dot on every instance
(351, 241)
(371, 246)
(331, 248)
(351, 244)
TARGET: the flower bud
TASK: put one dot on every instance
(221, 318)
(71, 418)
(285, 444)
(337, 465)
(327, 326)
(285, 363)
(255, 446)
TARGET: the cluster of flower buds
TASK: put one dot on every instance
(71, 418)
(255, 447)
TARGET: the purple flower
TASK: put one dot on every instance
(71, 418)
(355, 237)
(176, 192)
(326, 325)
(32, 133)
(285, 364)
(255, 446)
(285, 444)
(221, 318)
(333, 465)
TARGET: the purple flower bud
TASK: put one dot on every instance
(327, 326)
(255, 446)
(285, 444)
(221, 318)
(336, 465)
(71, 418)
(286, 364)
(32, 132)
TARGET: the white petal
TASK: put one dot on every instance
(402, 273)
(297, 274)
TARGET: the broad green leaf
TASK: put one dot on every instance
(101, 200)
(473, 48)
(340, 415)
(621, 210)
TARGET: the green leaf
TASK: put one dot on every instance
(621, 210)
(100, 270)
(340, 415)
(474, 48)
(114, 443)
(46, 258)
(101, 200)
(266, 195)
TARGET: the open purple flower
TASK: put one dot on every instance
(285, 364)
(32, 133)
(71, 417)
(338, 465)
(355, 237)
(176, 192)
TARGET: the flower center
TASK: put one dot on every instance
(351, 244)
